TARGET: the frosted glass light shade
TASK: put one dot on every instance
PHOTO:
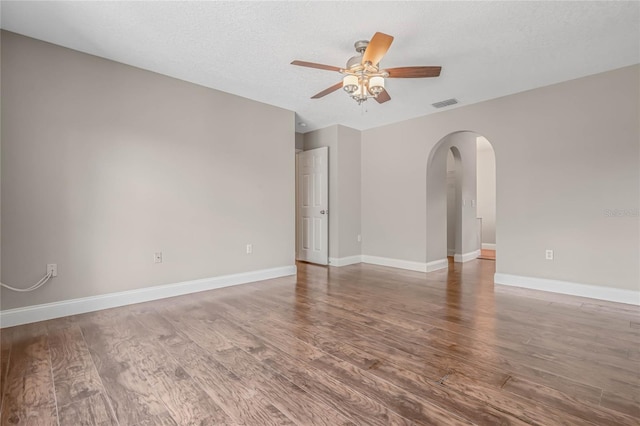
(350, 83)
(376, 85)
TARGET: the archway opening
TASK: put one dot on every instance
(455, 227)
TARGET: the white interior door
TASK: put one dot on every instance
(313, 206)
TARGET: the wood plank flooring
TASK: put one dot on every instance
(357, 345)
(487, 254)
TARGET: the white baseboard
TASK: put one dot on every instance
(395, 263)
(466, 256)
(437, 264)
(344, 261)
(488, 246)
(564, 287)
(82, 305)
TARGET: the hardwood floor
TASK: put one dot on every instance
(487, 254)
(360, 344)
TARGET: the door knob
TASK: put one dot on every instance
(322, 212)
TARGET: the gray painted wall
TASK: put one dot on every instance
(565, 154)
(349, 195)
(299, 141)
(104, 164)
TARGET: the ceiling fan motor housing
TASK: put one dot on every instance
(356, 61)
(361, 45)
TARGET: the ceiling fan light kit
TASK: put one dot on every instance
(363, 79)
(363, 87)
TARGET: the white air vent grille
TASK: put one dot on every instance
(446, 103)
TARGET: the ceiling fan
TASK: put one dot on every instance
(363, 77)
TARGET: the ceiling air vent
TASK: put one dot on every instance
(446, 103)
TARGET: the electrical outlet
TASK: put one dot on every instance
(249, 248)
(157, 257)
(548, 254)
(52, 268)
(359, 238)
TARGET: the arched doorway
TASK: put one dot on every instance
(486, 195)
(453, 225)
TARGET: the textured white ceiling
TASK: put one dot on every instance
(486, 49)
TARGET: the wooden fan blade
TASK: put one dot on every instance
(383, 97)
(327, 91)
(314, 65)
(377, 48)
(414, 72)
